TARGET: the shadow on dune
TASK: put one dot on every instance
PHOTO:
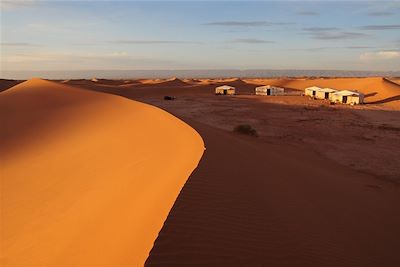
(370, 94)
(390, 81)
(386, 100)
(7, 84)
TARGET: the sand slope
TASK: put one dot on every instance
(254, 203)
(87, 178)
(172, 82)
(6, 84)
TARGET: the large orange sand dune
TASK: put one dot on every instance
(87, 178)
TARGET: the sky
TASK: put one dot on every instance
(146, 35)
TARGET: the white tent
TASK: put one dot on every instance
(311, 91)
(348, 97)
(324, 93)
(225, 90)
(269, 90)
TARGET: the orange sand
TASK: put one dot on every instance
(87, 178)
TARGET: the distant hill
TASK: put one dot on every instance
(205, 73)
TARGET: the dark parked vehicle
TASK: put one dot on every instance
(167, 97)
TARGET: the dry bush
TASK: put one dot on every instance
(245, 129)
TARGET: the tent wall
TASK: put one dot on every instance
(322, 95)
(309, 92)
(270, 91)
(223, 91)
(351, 99)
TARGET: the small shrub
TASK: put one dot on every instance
(245, 129)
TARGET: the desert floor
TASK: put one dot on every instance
(318, 187)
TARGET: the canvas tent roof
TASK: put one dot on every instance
(347, 93)
(328, 90)
(268, 86)
(316, 88)
(225, 87)
(263, 86)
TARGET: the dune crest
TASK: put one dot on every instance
(87, 178)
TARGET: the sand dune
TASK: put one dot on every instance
(6, 84)
(395, 80)
(116, 82)
(172, 82)
(106, 83)
(87, 178)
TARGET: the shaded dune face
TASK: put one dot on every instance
(87, 178)
(6, 84)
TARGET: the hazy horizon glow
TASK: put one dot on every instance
(106, 35)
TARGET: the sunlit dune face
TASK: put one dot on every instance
(87, 178)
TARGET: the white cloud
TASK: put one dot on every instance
(17, 44)
(15, 4)
(35, 57)
(63, 56)
(71, 61)
(381, 55)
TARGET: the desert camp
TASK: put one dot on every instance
(335, 96)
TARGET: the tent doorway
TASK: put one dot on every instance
(326, 95)
(225, 91)
(268, 91)
(344, 100)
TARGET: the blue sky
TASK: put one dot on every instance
(103, 35)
